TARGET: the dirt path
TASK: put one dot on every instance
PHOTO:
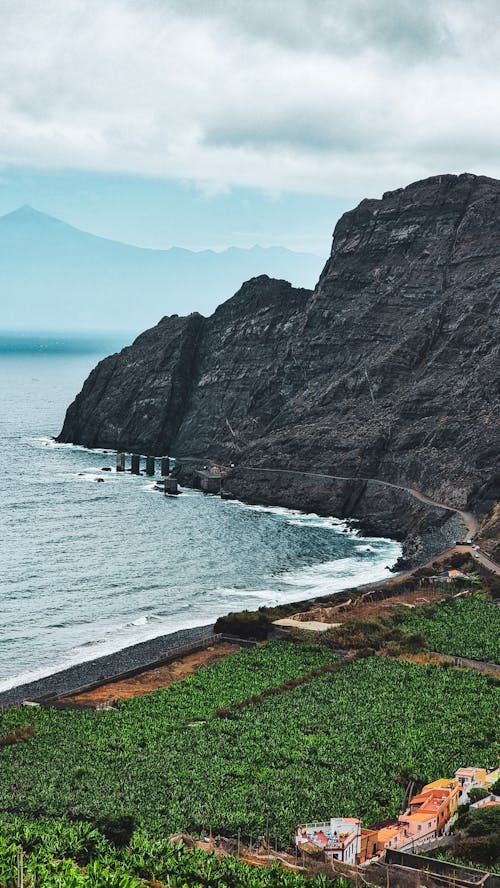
(468, 519)
(365, 608)
(434, 658)
(152, 679)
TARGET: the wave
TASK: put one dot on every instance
(270, 596)
(117, 586)
(49, 441)
(101, 647)
(91, 476)
(315, 581)
(324, 578)
(342, 573)
(297, 518)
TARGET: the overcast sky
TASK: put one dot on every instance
(119, 115)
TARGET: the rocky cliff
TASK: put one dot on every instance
(388, 369)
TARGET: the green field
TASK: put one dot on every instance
(332, 746)
(464, 627)
(74, 855)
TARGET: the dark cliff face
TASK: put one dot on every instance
(389, 369)
(246, 372)
(135, 400)
(196, 386)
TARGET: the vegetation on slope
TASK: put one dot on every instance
(333, 746)
(479, 836)
(375, 634)
(476, 840)
(61, 854)
(463, 627)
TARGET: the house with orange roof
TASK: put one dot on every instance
(368, 848)
(447, 576)
(472, 777)
(441, 795)
(427, 817)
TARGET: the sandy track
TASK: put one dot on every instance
(152, 679)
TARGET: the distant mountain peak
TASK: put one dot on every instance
(27, 213)
(55, 275)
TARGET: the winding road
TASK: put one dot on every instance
(469, 521)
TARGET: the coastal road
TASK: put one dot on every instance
(469, 521)
(485, 560)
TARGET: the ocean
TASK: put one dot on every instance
(88, 568)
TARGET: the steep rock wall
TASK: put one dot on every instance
(388, 369)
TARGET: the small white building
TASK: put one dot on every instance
(447, 576)
(469, 777)
(475, 777)
(339, 838)
(489, 801)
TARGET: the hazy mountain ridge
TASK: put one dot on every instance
(388, 369)
(55, 276)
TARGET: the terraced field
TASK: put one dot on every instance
(332, 746)
(463, 627)
(61, 854)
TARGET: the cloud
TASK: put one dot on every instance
(341, 96)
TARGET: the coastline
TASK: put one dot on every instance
(104, 667)
(378, 508)
(142, 654)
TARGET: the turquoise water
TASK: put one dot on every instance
(87, 568)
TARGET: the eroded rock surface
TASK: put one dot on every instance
(388, 369)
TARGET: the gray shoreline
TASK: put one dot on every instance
(105, 667)
(144, 653)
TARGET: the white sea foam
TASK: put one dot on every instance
(270, 596)
(297, 518)
(324, 524)
(141, 621)
(87, 476)
(271, 510)
(317, 580)
(342, 573)
(100, 648)
(47, 441)
(116, 577)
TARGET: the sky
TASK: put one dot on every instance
(208, 123)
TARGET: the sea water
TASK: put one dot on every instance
(89, 567)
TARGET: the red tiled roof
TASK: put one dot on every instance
(320, 837)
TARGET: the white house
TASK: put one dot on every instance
(339, 838)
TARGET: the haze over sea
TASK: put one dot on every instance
(87, 568)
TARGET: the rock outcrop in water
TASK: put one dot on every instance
(388, 369)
